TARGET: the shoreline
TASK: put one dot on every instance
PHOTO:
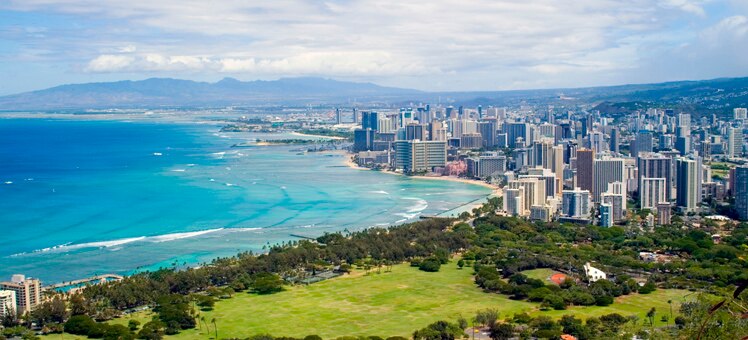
(295, 133)
(496, 190)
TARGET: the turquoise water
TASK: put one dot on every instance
(82, 197)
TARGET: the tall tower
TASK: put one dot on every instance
(687, 191)
(585, 159)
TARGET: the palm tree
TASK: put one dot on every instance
(213, 321)
(202, 318)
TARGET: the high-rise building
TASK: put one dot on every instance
(740, 190)
(487, 130)
(652, 192)
(606, 171)
(664, 213)
(688, 188)
(414, 131)
(597, 141)
(416, 155)
(614, 140)
(606, 215)
(28, 292)
(585, 170)
(363, 140)
(533, 191)
(437, 131)
(683, 145)
(516, 132)
(338, 116)
(486, 165)
(471, 141)
(576, 203)
(642, 143)
(370, 120)
(740, 113)
(514, 203)
(617, 203)
(734, 142)
(7, 303)
(655, 165)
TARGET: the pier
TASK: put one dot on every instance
(74, 285)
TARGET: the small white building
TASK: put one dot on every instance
(7, 303)
(593, 274)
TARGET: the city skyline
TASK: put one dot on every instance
(442, 46)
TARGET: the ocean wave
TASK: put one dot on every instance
(117, 244)
(379, 192)
(179, 236)
(419, 206)
(179, 170)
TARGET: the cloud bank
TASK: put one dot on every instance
(438, 45)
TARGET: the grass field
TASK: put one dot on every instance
(386, 304)
(542, 274)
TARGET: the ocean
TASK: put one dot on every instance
(80, 197)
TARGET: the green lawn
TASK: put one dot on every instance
(543, 274)
(386, 304)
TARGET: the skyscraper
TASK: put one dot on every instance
(28, 292)
(585, 174)
(740, 191)
(655, 165)
(369, 120)
(734, 142)
(606, 171)
(576, 203)
(688, 193)
(642, 143)
(740, 113)
(606, 215)
(338, 116)
(363, 140)
(652, 192)
(533, 190)
(416, 155)
(414, 131)
(614, 142)
(487, 130)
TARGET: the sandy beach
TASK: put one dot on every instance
(496, 189)
(316, 136)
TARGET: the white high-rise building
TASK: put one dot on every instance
(734, 142)
(534, 192)
(740, 113)
(606, 171)
(576, 203)
(7, 303)
(653, 191)
(514, 201)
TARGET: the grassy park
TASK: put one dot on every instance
(386, 304)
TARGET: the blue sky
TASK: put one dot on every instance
(429, 45)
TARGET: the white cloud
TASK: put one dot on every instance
(556, 42)
(110, 63)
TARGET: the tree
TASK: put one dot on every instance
(461, 263)
(651, 316)
(431, 264)
(487, 317)
(440, 330)
(152, 330)
(502, 331)
(267, 283)
(215, 327)
(133, 325)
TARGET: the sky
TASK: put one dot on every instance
(435, 45)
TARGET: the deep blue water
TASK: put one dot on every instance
(81, 197)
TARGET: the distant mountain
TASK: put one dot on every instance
(180, 93)
(697, 97)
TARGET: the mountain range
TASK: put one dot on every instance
(699, 97)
